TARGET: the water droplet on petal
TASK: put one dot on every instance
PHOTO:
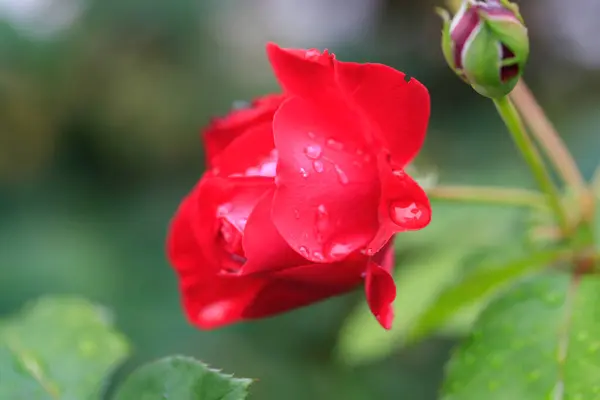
(334, 144)
(303, 172)
(409, 214)
(368, 251)
(338, 250)
(342, 177)
(321, 223)
(303, 251)
(313, 151)
(322, 219)
(318, 256)
(318, 166)
(311, 135)
(296, 214)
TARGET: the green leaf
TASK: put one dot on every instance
(58, 348)
(540, 340)
(362, 340)
(440, 259)
(479, 286)
(181, 378)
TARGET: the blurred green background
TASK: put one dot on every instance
(101, 102)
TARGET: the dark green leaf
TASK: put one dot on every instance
(181, 378)
(541, 340)
(58, 348)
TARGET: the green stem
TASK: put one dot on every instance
(596, 182)
(488, 195)
(513, 122)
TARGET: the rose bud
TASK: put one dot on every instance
(486, 44)
(303, 193)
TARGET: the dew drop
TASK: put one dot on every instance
(296, 214)
(313, 151)
(409, 214)
(338, 250)
(303, 251)
(312, 135)
(318, 256)
(334, 144)
(368, 251)
(342, 177)
(318, 166)
(304, 173)
(322, 220)
(322, 210)
(321, 223)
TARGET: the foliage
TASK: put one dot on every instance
(67, 348)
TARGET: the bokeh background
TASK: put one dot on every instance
(101, 102)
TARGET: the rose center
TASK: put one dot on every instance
(229, 238)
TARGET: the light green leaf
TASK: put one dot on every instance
(540, 340)
(181, 378)
(477, 287)
(58, 348)
(363, 340)
(440, 259)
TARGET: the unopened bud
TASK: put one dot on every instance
(486, 44)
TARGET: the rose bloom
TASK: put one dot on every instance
(303, 193)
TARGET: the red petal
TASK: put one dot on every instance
(326, 201)
(183, 249)
(223, 130)
(397, 109)
(301, 72)
(385, 256)
(208, 300)
(404, 207)
(224, 300)
(380, 290)
(219, 301)
(250, 154)
(297, 287)
(218, 198)
(264, 247)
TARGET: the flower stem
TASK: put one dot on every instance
(547, 136)
(488, 195)
(596, 182)
(513, 122)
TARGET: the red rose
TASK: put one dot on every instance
(303, 193)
